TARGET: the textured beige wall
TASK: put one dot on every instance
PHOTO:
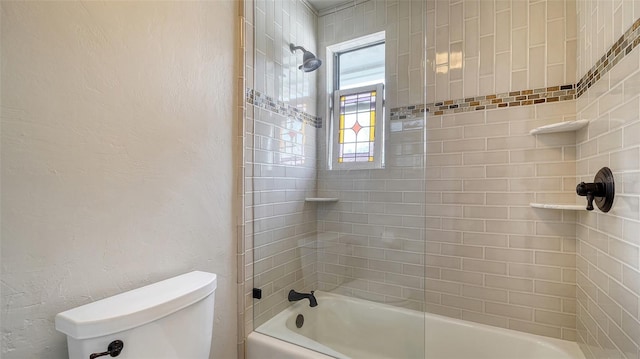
(116, 158)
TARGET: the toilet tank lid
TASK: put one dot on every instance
(136, 307)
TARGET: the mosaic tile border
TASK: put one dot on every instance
(621, 48)
(488, 102)
(261, 100)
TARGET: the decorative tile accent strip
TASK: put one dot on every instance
(268, 103)
(488, 102)
(621, 48)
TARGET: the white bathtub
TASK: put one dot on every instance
(344, 327)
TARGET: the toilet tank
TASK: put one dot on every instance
(168, 319)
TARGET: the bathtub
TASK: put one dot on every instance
(380, 331)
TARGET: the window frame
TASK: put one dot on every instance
(380, 108)
(378, 128)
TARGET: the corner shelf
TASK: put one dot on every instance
(321, 199)
(570, 207)
(566, 126)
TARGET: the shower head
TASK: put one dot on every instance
(309, 61)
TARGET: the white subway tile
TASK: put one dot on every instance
(510, 227)
(533, 328)
(510, 283)
(537, 68)
(519, 14)
(462, 302)
(555, 318)
(503, 72)
(555, 39)
(510, 311)
(509, 255)
(471, 38)
(537, 23)
(487, 56)
(456, 21)
(535, 301)
(503, 31)
(487, 15)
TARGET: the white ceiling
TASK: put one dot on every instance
(326, 4)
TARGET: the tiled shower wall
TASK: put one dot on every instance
(403, 21)
(491, 257)
(482, 47)
(371, 242)
(608, 261)
(600, 24)
(277, 24)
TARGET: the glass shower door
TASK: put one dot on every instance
(352, 235)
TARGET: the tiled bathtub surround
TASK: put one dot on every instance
(490, 257)
(371, 242)
(608, 260)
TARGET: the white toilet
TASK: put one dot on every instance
(169, 319)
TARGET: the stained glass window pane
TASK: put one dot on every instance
(350, 120)
(364, 118)
(357, 121)
(363, 136)
(349, 136)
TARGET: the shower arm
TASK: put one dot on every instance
(294, 48)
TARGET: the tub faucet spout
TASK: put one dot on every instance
(295, 296)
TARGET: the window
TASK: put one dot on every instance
(356, 111)
(358, 127)
(360, 67)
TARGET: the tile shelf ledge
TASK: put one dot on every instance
(321, 199)
(570, 207)
(565, 126)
